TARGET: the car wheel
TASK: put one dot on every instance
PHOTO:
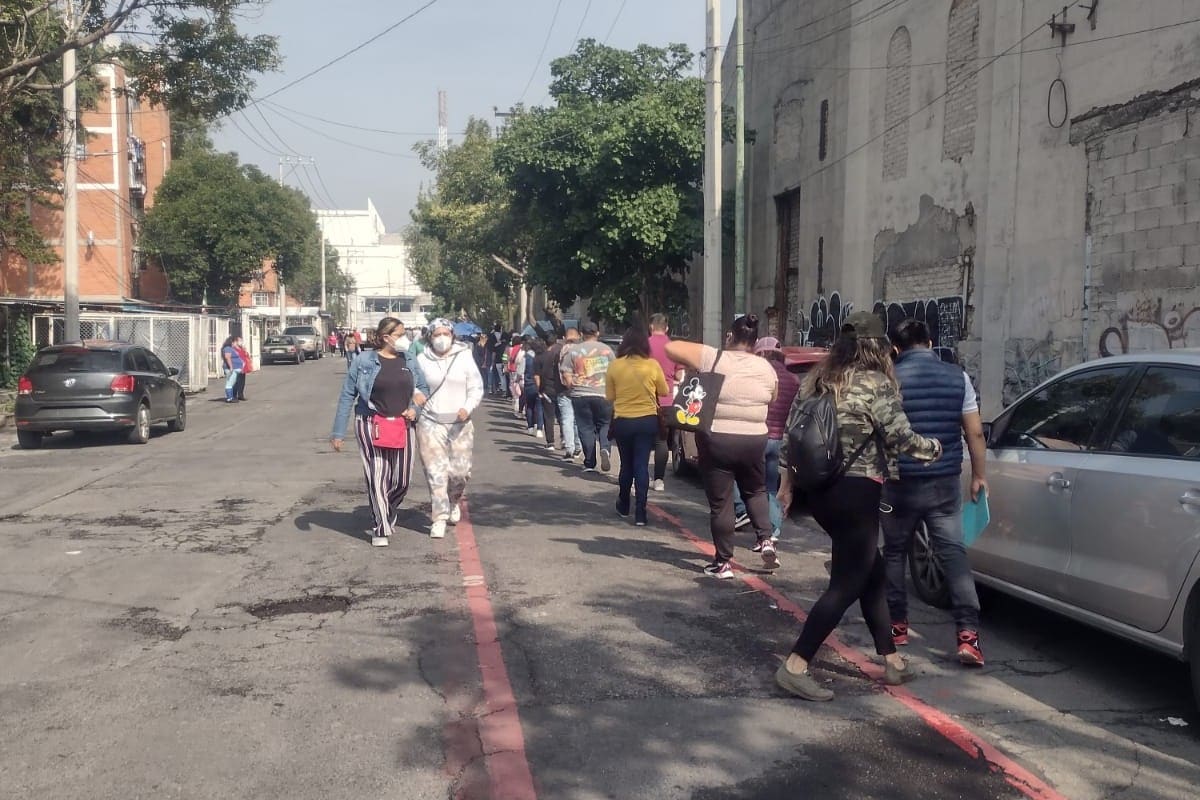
(928, 577)
(179, 422)
(140, 432)
(29, 440)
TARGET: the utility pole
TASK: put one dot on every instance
(739, 168)
(322, 237)
(70, 185)
(443, 129)
(712, 180)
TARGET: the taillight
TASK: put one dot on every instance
(24, 386)
(291, 349)
(123, 384)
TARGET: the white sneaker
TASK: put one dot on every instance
(379, 541)
(456, 515)
(529, 431)
(438, 529)
(659, 486)
(540, 434)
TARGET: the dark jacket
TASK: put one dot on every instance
(781, 406)
(933, 393)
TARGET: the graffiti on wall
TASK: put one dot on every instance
(1029, 362)
(945, 317)
(1151, 325)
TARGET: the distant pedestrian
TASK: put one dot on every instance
(532, 401)
(633, 385)
(417, 346)
(515, 389)
(572, 445)
(585, 369)
(234, 365)
(940, 402)
(350, 347)
(871, 423)
(239, 387)
(333, 342)
(731, 453)
(379, 389)
(450, 388)
(497, 345)
(550, 386)
(665, 441)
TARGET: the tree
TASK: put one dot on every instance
(607, 181)
(460, 223)
(214, 221)
(188, 54)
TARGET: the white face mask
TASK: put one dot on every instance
(441, 344)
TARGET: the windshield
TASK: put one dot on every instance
(302, 331)
(279, 340)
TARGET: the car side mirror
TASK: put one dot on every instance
(172, 371)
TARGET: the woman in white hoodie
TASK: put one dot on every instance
(449, 389)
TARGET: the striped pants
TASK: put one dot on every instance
(446, 452)
(388, 471)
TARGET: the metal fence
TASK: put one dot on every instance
(189, 342)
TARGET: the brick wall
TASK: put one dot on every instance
(896, 106)
(962, 69)
(1144, 186)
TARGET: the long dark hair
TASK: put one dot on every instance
(635, 343)
(744, 331)
(849, 355)
(228, 342)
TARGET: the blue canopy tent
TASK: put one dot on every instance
(466, 329)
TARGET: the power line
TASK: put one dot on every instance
(261, 141)
(274, 132)
(542, 55)
(344, 141)
(616, 19)
(321, 179)
(586, 10)
(317, 194)
(346, 54)
(279, 107)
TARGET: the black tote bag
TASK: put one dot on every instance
(696, 401)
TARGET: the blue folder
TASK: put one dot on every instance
(976, 516)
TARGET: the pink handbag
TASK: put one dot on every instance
(389, 432)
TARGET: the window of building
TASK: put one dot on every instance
(823, 148)
(896, 106)
(962, 70)
(262, 298)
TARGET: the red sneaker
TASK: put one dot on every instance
(900, 633)
(969, 653)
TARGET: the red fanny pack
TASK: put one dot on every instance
(389, 431)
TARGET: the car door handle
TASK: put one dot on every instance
(1058, 481)
(1191, 500)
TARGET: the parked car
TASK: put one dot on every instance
(1095, 502)
(309, 338)
(97, 386)
(684, 455)
(282, 348)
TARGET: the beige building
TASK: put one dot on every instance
(1030, 188)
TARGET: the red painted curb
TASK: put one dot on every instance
(972, 744)
(498, 722)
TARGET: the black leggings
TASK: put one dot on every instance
(849, 513)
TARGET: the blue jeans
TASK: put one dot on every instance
(772, 475)
(938, 503)
(533, 408)
(566, 421)
(635, 441)
(593, 415)
(230, 380)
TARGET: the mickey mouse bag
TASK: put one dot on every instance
(696, 401)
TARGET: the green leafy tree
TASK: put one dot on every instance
(607, 182)
(461, 224)
(215, 220)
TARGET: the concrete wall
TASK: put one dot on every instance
(972, 207)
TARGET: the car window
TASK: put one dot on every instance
(156, 364)
(1065, 414)
(138, 361)
(301, 331)
(77, 360)
(279, 340)
(1163, 415)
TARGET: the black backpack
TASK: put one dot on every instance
(815, 457)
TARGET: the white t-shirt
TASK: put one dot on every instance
(970, 398)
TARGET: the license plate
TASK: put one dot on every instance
(276, 350)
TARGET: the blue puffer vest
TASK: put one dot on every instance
(933, 400)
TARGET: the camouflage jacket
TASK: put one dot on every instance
(870, 409)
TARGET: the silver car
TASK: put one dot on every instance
(1095, 502)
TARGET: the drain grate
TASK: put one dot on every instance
(311, 604)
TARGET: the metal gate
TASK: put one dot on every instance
(189, 342)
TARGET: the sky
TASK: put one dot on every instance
(483, 53)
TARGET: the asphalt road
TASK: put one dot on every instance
(203, 617)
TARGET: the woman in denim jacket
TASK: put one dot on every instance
(380, 382)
